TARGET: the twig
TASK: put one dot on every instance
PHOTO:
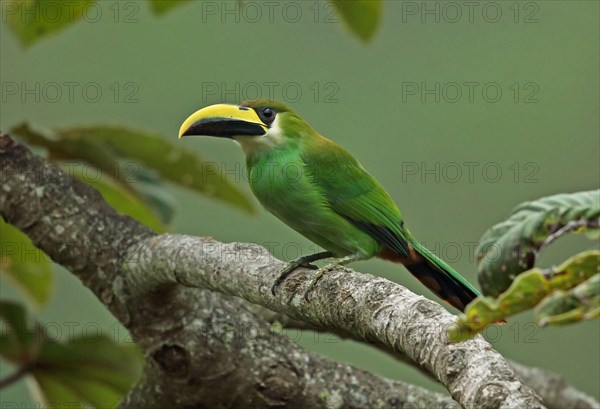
(22, 371)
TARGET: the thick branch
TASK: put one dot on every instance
(553, 388)
(555, 392)
(220, 355)
(61, 215)
(203, 349)
(373, 309)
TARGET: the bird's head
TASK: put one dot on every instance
(256, 124)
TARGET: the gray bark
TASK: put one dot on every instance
(554, 390)
(370, 308)
(202, 349)
(207, 349)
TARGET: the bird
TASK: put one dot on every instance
(320, 190)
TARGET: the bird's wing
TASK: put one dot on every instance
(355, 195)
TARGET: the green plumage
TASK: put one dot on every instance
(299, 185)
(320, 190)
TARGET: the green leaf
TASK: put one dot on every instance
(160, 7)
(27, 267)
(18, 340)
(88, 150)
(118, 197)
(148, 185)
(119, 152)
(83, 371)
(566, 307)
(32, 20)
(88, 371)
(361, 16)
(510, 247)
(170, 161)
(538, 287)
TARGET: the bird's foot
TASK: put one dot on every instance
(292, 265)
(318, 275)
(338, 264)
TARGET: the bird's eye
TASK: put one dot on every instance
(267, 115)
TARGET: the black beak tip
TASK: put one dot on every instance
(187, 132)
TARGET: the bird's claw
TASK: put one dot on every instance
(309, 266)
(292, 265)
(317, 276)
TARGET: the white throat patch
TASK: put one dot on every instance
(272, 138)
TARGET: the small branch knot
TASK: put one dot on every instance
(173, 359)
(279, 386)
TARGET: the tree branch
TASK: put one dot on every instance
(555, 392)
(22, 371)
(370, 308)
(553, 388)
(141, 278)
(203, 349)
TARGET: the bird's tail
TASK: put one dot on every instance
(440, 278)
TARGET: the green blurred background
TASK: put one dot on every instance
(455, 164)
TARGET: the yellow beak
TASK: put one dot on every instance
(223, 120)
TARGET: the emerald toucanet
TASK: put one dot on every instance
(320, 190)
